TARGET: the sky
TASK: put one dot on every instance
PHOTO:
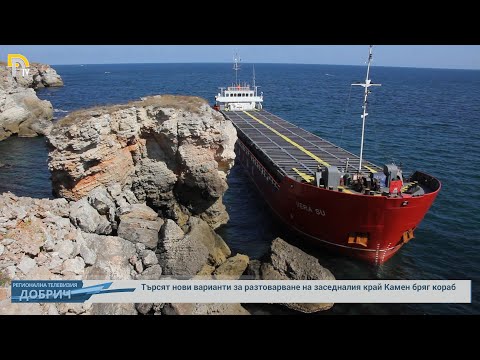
(430, 56)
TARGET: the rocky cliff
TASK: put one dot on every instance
(21, 111)
(57, 239)
(172, 152)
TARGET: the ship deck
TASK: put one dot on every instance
(295, 151)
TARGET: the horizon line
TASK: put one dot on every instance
(267, 63)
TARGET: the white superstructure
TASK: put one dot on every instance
(239, 97)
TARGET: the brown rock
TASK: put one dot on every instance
(142, 224)
(288, 262)
(173, 151)
(233, 268)
(205, 272)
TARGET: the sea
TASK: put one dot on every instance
(421, 119)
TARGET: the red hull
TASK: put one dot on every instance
(331, 218)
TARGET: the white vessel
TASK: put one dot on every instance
(239, 97)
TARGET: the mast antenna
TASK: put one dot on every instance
(254, 86)
(365, 85)
(236, 66)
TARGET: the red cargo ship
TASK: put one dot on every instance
(320, 190)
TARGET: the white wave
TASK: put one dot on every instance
(60, 111)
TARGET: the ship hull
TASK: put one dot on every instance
(369, 228)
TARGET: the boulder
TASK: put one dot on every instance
(205, 272)
(26, 264)
(113, 309)
(112, 257)
(88, 219)
(144, 308)
(200, 231)
(75, 266)
(232, 268)
(9, 308)
(141, 224)
(180, 255)
(285, 262)
(204, 309)
(152, 273)
(148, 258)
(100, 200)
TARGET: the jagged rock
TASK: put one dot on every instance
(64, 249)
(178, 309)
(141, 224)
(144, 308)
(9, 308)
(28, 234)
(88, 219)
(233, 268)
(149, 258)
(72, 308)
(88, 255)
(113, 309)
(21, 111)
(204, 309)
(140, 247)
(217, 248)
(174, 152)
(205, 272)
(52, 310)
(48, 76)
(220, 309)
(112, 257)
(215, 215)
(75, 266)
(171, 231)
(152, 273)
(100, 200)
(26, 264)
(40, 75)
(39, 273)
(138, 265)
(200, 231)
(181, 255)
(157, 308)
(288, 262)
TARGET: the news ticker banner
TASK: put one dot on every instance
(241, 291)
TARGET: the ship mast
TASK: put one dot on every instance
(254, 86)
(236, 67)
(366, 85)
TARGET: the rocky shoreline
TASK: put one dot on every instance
(22, 113)
(140, 189)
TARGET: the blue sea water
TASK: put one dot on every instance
(425, 119)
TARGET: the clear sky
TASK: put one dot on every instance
(432, 56)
